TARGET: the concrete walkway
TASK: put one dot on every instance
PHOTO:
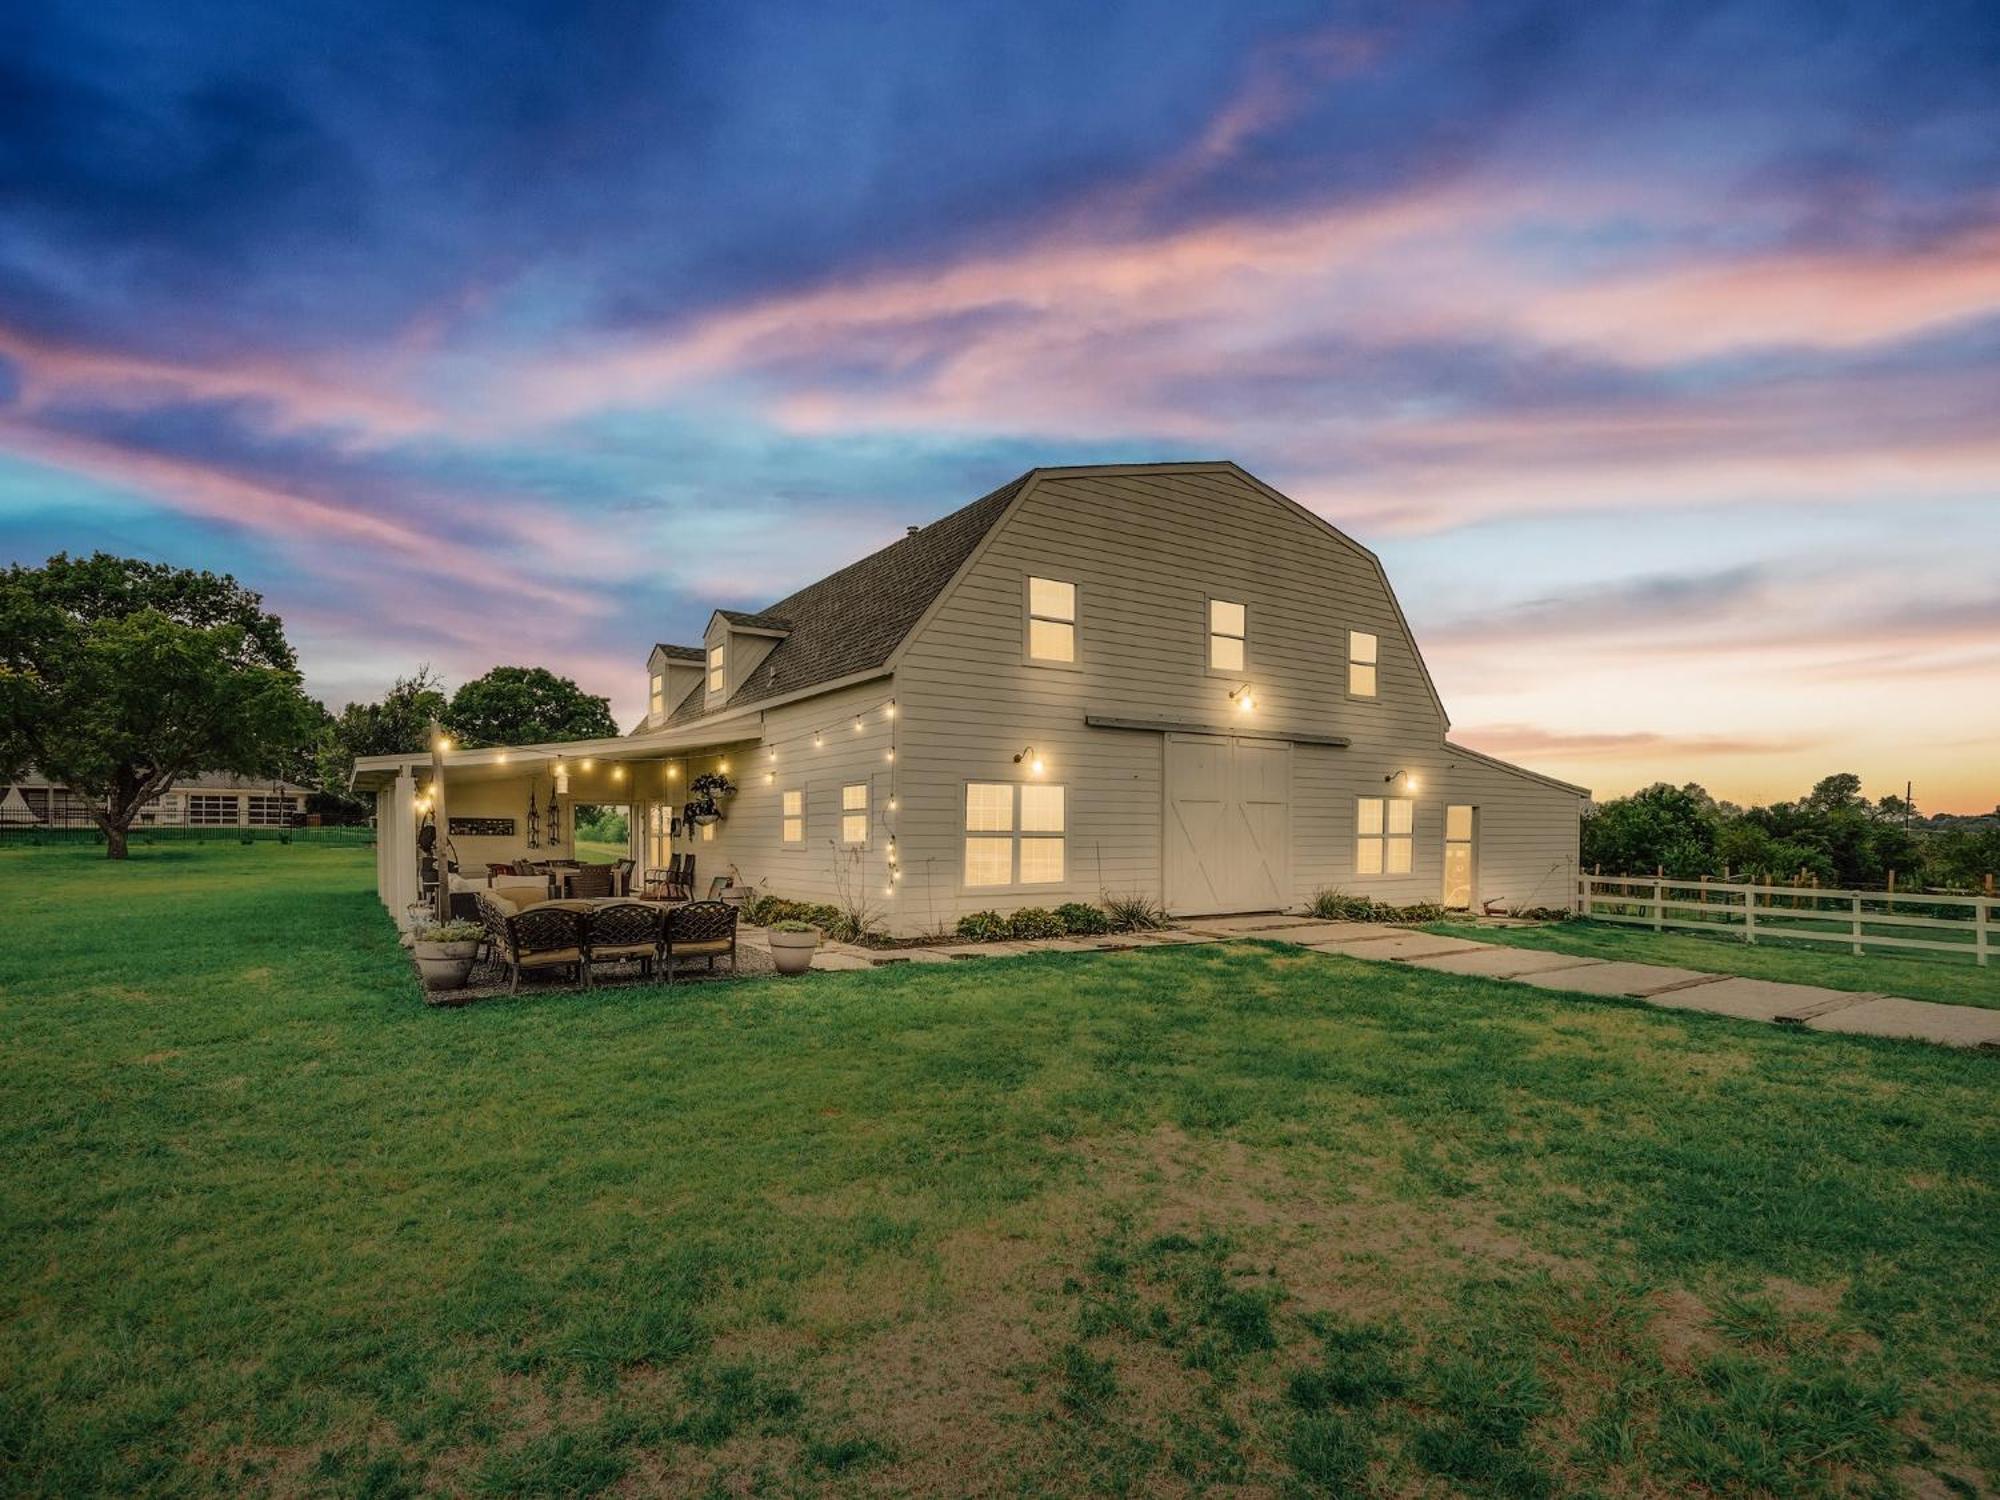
(1657, 984)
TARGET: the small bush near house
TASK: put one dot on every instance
(1332, 904)
(982, 927)
(1422, 911)
(1034, 922)
(1542, 913)
(1081, 919)
(1134, 913)
(792, 924)
(768, 911)
(451, 932)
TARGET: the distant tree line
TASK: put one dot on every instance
(1833, 835)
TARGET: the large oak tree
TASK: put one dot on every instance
(527, 706)
(118, 677)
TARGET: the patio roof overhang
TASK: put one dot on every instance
(501, 762)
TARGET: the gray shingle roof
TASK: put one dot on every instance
(765, 621)
(853, 620)
(681, 653)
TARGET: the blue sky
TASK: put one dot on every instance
(1656, 348)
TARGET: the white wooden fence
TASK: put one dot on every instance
(1964, 925)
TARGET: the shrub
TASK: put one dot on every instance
(451, 932)
(1332, 904)
(768, 911)
(1082, 919)
(792, 924)
(982, 926)
(1422, 911)
(1034, 922)
(1134, 913)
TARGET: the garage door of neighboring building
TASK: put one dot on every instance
(1228, 824)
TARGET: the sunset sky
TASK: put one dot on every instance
(1656, 349)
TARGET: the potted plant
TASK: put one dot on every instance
(705, 794)
(792, 945)
(444, 953)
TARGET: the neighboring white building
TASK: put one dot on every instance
(1157, 679)
(212, 799)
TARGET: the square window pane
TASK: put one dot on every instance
(1052, 599)
(795, 830)
(1361, 681)
(1399, 856)
(854, 798)
(1041, 861)
(795, 804)
(1049, 640)
(1368, 857)
(1361, 646)
(1225, 653)
(853, 828)
(1369, 816)
(989, 807)
(1041, 809)
(989, 861)
(1225, 618)
(1402, 815)
(1458, 824)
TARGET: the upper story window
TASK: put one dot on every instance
(1051, 620)
(793, 817)
(1228, 628)
(1361, 654)
(1383, 828)
(717, 659)
(659, 695)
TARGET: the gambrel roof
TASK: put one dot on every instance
(853, 621)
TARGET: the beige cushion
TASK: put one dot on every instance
(553, 956)
(715, 945)
(627, 950)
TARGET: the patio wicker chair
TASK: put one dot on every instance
(590, 882)
(680, 877)
(542, 937)
(625, 930)
(701, 929)
(654, 884)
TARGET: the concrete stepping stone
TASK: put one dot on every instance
(1239, 926)
(828, 962)
(1502, 963)
(1636, 981)
(1311, 934)
(1761, 999)
(1926, 1020)
(1399, 944)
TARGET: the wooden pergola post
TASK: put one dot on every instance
(439, 856)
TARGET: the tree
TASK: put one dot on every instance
(119, 676)
(1663, 826)
(398, 725)
(526, 706)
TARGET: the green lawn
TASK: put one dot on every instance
(1162, 1221)
(1945, 978)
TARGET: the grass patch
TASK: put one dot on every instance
(1186, 1218)
(1943, 977)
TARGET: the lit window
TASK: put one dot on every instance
(1227, 627)
(659, 698)
(1014, 839)
(854, 813)
(1361, 651)
(708, 833)
(715, 669)
(793, 814)
(1051, 620)
(1382, 841)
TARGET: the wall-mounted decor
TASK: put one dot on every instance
(484, 828)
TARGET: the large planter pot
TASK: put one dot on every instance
(792, 952)
(445, 966)
(708, 817)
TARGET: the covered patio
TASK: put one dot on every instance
(491, 809)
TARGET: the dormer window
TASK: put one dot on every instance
(658, 699)
(717, 668)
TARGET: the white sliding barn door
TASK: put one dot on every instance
(1228, 832)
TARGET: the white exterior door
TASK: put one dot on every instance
(1228, 824)
(1458, 857)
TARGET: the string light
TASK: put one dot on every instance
(888, 755)
(857, 723)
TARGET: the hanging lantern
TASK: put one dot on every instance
(555, 820)
(534, 820)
